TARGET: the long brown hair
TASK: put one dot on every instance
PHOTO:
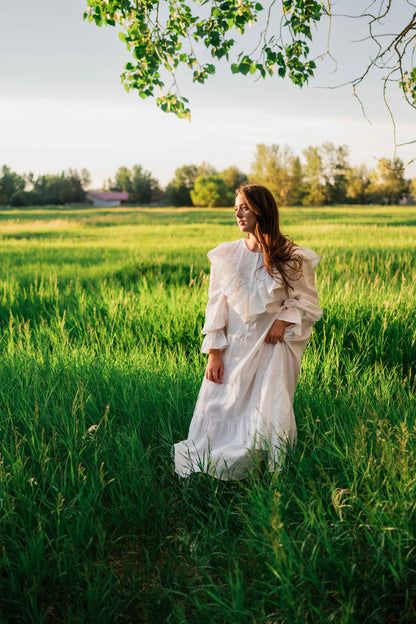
(278, 249)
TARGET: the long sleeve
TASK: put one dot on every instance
(301, 304)
(216, 314)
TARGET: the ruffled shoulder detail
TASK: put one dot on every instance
(308, 254)
(223, 251)
(249, 288)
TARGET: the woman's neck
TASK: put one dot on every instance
(253, 243)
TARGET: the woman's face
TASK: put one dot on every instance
(246, 219)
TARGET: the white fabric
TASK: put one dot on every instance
(252, 408)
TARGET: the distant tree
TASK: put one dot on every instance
(335, 167)
(325, 174)
(211, 190)
(143, 185)
(30, 180)
(271, 168)
(63, 188)
(137, 182)
(206, 169)
(357, 183)
(180, 187)
(23, 199)
(233, 177)
(59, 189)
(121, 182)
(85, 178)
(413, 188)
(10, 183)
(315, 194)
(387, 182)
(297, 187)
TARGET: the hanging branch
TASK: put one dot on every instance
(165, 36)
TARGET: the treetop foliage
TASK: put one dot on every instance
(211, 191)
(165, 35)
(10, 183)
(183, 182)
(169, 37)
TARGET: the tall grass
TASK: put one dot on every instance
(100, 318)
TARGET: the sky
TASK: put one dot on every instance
(62, 103)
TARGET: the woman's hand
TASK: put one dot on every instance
(215, 368)
(276, 332)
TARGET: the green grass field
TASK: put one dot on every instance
(100, 319)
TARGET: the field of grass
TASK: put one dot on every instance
(100, 319)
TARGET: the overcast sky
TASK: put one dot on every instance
(62, 103)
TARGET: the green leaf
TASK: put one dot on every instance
(235, 68)
(244, 68)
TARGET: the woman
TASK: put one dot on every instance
(261, 309)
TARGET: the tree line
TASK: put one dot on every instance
(26, 190)
(321, 176)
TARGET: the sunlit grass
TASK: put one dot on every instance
(100, 318)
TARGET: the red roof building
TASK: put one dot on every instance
(107, 198)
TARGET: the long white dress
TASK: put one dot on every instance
(253, 408)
